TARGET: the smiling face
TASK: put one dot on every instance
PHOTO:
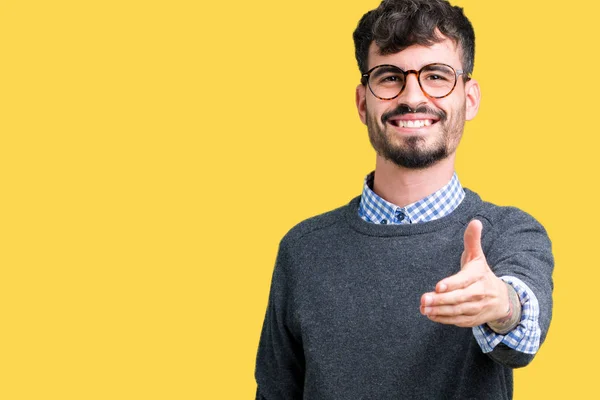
(413, 130)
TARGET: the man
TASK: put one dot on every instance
(417, 289)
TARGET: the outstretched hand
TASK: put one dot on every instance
(474, 295)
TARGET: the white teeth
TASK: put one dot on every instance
(417, 123)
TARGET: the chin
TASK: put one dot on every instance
(414, 158)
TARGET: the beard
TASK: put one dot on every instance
(413, 151)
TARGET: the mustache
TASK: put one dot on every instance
(403, 109)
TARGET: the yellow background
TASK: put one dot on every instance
(153, 153)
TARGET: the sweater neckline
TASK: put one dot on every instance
(462, 214)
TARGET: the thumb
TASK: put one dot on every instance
(472, 240)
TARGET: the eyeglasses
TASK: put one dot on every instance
(386, 82)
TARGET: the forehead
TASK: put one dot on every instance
(416, 56)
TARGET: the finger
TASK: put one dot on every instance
(469, 309)
(472, 241)
(463, 259)
(464, 321)
(463, 278)
(471, 293)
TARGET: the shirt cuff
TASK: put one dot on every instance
(525, 337)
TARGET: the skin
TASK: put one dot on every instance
(474, 295)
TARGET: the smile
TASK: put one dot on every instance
(411, 123)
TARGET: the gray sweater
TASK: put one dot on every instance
(343, 317)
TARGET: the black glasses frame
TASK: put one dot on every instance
(457, 73)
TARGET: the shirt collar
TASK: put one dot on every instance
(374, 209)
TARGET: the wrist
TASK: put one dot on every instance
(511, 319)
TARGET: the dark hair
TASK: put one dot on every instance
(398, 24)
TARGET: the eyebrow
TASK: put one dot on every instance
(386, 68)
(436, 67)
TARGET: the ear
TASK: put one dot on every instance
(361, 103)
(473, 97)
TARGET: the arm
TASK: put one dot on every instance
(280, 360)
(475, 297)
(523, 335)
(259, 396)
(521, 253)
(510, 321)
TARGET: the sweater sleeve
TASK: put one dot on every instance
(280, 360)
(519, 251)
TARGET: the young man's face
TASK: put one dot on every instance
(417, 139)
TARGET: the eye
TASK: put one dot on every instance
(390, 79)
(436, 77)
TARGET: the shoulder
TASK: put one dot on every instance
(508, 228)
(318, 225)
(502, 217)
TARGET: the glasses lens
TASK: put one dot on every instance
(386, 81)
(437, 80)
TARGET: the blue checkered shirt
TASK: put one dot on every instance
(525, 337)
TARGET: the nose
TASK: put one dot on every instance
(412, 95)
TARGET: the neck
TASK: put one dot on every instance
(403, 186)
